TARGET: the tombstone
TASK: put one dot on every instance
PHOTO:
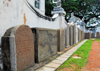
(18, 48)
(88, 35)
(45, 43)
(80, 35)
(97, 35)
(76, 35)
(92, 35)
(61, 39)
(71, 35)
(67, 36)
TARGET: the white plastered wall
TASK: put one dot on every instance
(16, 12)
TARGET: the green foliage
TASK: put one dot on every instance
(81, 8)
(48, 7)
(82, 52)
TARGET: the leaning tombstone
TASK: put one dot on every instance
(18, 48)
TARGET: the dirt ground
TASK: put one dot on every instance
(94, 58)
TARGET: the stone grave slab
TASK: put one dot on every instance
(67, 36)
(61, 39)
(18, 48)
(45, 43)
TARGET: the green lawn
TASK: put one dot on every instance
(76, 64)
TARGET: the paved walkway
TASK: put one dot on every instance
(53, 65)
(94, 58)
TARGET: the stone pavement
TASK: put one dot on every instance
(53, 65)
(93, 63)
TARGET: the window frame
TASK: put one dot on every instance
(37, 4)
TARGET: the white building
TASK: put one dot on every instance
(28, 12)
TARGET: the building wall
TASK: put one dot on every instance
(16, 12)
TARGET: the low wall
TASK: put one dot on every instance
(45, 43)
(18, 48)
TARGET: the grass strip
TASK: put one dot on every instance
(74, 64)
(97, 39)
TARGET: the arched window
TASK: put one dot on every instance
(37, 4)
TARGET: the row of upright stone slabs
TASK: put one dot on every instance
(61, 39)
(45, 43)
(18, 48)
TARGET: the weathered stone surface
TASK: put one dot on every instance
(60, 39)
(67, 36)
(80, 35)
(71, 35)
(87, 35)
(18, 48)
(92, 35)
(45, 43)
(74, 34)
(97, 35)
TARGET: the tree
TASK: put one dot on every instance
(81, 8)
(48, 7)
